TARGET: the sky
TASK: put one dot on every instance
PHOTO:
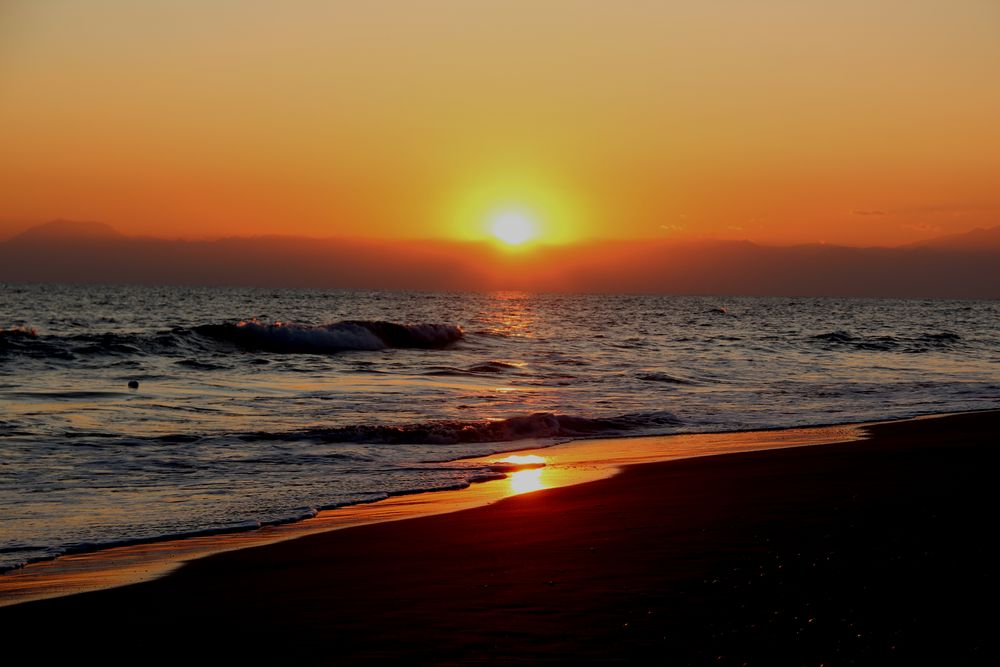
(779, 121)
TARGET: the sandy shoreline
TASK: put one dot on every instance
(862, 553)
(572, 462)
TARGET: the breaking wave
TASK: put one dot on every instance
(539, 425)
(926, 342)
(335, 337)
(251, 335)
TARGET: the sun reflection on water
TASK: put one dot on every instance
(509, 314)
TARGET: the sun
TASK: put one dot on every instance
(513, 227)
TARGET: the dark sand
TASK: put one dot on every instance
(873, 553)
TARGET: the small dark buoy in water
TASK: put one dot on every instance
(133, 384)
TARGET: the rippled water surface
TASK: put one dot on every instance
(258, 406)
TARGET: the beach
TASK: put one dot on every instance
(868, 552)
(455, 333)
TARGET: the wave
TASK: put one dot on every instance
(663, 377)
(30, 343)
(199, 365)
(925, 342)
(539, 425)
(486, 368)
(335, 337)
(251, 335)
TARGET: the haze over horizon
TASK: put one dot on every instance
(951, 266)
(63, 229)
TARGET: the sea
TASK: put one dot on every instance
(135, 413)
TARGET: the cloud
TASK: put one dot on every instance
(944, 209)
(922, 227)
(936, 209)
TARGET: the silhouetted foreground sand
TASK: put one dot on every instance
(863, 553)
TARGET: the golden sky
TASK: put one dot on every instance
(781, 121)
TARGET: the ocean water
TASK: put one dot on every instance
(258, 406)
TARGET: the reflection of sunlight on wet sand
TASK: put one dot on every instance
(529, 475)
(523, 459)
(614, 452)
(525, 481)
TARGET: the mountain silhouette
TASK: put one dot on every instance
(68, 229)
(977, 240)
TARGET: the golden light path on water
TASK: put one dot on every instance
(530, 470)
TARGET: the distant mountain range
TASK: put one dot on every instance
(961, 265)
(61, 230)
(977, 240)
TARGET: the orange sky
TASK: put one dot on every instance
(781, 121)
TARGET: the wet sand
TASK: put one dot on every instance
(871, 552)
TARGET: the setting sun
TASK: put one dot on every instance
(513, 227)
